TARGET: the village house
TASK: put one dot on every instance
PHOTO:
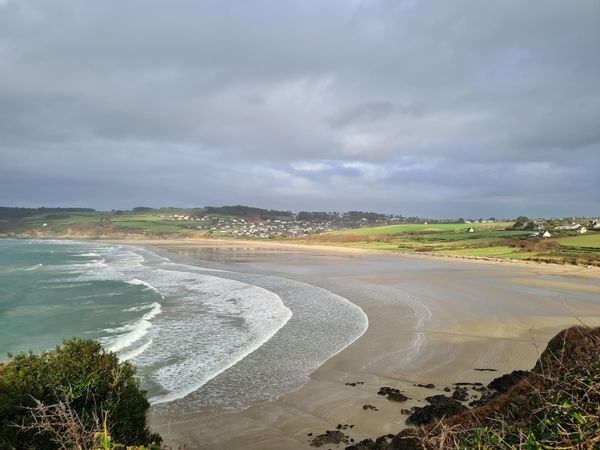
(574, 226)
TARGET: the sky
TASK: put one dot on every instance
(429, 108)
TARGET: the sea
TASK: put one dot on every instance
(199, 337)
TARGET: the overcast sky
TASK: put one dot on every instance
(440, 109)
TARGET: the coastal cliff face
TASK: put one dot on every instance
(555, 405)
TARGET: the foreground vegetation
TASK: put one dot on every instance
(76, 396)
(554, 406)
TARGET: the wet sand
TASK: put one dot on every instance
(431, 320)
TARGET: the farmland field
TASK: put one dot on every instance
(590, 239)
(495, 240)
(418, 227)
(499, 251)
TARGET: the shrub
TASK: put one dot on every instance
(79, 376)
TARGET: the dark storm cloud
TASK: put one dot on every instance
(446, 109)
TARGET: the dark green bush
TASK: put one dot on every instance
(82, 375)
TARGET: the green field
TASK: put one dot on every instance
(151, 223)
(590, 239)
(496, 240)
(499, 252)
(104, 223)
(420, 227)
(485, 234)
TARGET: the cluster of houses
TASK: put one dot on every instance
(572, 227)
(272, 228)
(577, 227)
(243, 228)
(295, 225)
(307, 224)
(545, 234)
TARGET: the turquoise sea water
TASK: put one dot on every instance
(198, 337)
(48, 291)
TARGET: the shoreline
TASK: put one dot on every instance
(445, 344)
(551, 268)
(431, 320)
(572, 269)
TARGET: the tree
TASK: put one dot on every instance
(83, 376)
(520, 222)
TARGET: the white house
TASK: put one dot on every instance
(575, 226)
(582, 230)
(546, 234)
(44, 225)
(471, 230)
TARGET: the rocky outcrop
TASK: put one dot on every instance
(439, 407)
(570, 365)
(505, 382)
(392, 394)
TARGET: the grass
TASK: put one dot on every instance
(151, 223)
(590, 239)
(554, 407)
(412, 228)
(147, 226)
(484, 251)
(105, 223)
(496, 240)
(475, 235)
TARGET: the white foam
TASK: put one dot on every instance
(36, 267)
(137, 282)
(127, 355)
(133, 332)
(188, 375)
(138, 308)
(209, 324)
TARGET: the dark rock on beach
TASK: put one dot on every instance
(505, 382)
(392, 394)
(405, 440)
(439, 406)
(460, 394)
(486, 396)
(370, 407)
(330, 437)
(381, 443)
(506, 401)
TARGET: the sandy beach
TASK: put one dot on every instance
(431, 320)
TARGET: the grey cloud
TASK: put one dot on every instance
(414, 107)
(366, 112)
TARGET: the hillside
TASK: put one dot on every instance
(496, 240)
(555, 405)
(481, 239)
(210, 221)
